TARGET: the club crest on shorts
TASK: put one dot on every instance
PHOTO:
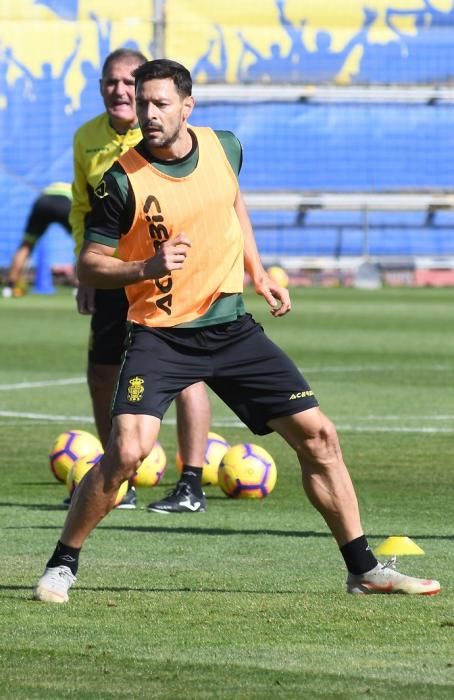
(135, 389)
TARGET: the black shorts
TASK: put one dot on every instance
(48, 209)
(253, 376)
(108, 327)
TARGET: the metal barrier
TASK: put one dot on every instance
(364, 203)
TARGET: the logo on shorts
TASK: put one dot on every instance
(135, 389)
(301, 395)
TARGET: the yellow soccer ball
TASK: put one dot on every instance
(152, 468)
(215, 449)
(69, 447)
(247, 471)
(81, 467)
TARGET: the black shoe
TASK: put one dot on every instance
(181, 499)
(129, 501)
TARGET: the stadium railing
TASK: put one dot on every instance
(419, 94)
(419, 213)
(301, 204)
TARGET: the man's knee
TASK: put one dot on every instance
(321, 445)
(123, 459)
(130, 442)
(312, 435)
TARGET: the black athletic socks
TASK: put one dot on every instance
(358, 556)
(65, 556)
(193, 477)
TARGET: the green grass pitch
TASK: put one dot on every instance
(247, 600)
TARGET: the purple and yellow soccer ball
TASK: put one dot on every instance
(81, 467)
(69, 447)
(215, 449)
(247, 471)
(152, 468)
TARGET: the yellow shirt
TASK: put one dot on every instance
(96, 147)
(200, 205)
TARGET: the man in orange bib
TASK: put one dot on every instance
(98, 144)
(183, 236)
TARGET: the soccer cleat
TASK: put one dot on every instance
(385, 579)
(129, 502)
(181, 499)
(54, 584)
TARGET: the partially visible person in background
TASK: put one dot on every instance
(52, 206)
(97, 145)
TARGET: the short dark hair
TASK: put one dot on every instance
(123, 54)
(162, 68)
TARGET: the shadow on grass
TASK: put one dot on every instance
(155, 589)
(51, 484)
(224, 532)
(60, 506)
(215, 532)
(258, 531)
(34, 506)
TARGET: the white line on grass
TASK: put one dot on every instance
(393, 429)
(231, 422)
(372, 368)
(45, 417)
(327, 368)
(43, 384)
(402, 417)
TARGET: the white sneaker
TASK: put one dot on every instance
(54, 584)
(385, 579)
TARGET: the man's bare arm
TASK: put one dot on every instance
(97, 266)
(277, 297)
